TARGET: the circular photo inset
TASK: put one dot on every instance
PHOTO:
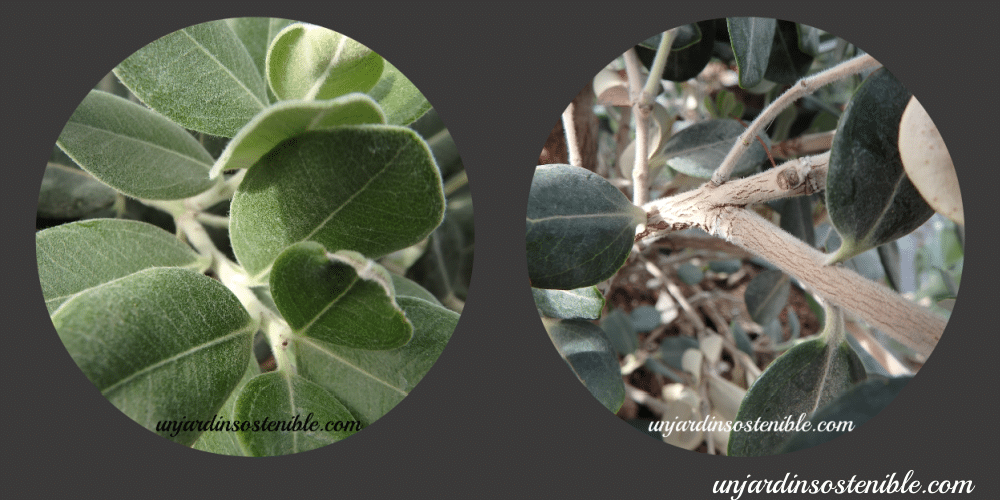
(254, 236)
(745, 236)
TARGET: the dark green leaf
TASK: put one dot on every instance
(888, 254)
(808, 39)
(373, 189)
(582, 303)
(446, 265)
(804, 379)
(618, 327)
(741, 338)
(160, 344)
(69, 193)
(751, 39)
(690, 273)
(870, 199)
(645, 318)
(699, 149)
(872, 366)
(580, 228)
(135, 150)
(370, 383)
(296, 413)
(201, 77)
(406, 287)
(767, 295)
(787, 63)
(340, 298)
(725, 266)
(689, 53)
(796, 218)
(672, 349)
(858, 406)
(590, 355)
(226, 441)
(81, 255)
(311, 62)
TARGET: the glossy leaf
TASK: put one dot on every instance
(787, 63)
(689, 53)
(341, 298)
(398, 97)
(69, 193)
(580, 228)
(311, 62)
(618, 327)
(81, 255)
(800, 381)
(590, 355)
(766, 295)
(751, 39)
(582, 303)
(857, 405)
(223, 440)
(368, 188)
(927, 162)
(699, 149)
(160, 344)
(870, 199)
(201, 77)
(370, 383)
(287, 119)
(135, 150)
(296, 413)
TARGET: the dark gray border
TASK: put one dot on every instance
(499, 415)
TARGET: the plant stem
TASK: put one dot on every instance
(640, 168)
(572, 143)
(805, 86)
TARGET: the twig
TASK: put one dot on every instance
(805, 86)
(805, 144)
(572, 144)
(640, 168)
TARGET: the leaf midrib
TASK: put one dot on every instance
(322, 349)
(224, 67)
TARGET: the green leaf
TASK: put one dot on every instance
(294, 414)
(406, 287)
(341, 298)
(796, 218)
(808, 39)
(590, 355)
(766, 295)
(672, 349)
(582, 303)
(699, 149)
(689, 53)
(69, 193)
(399, 98)
(888, 254)
(224, 440)
(857, 405)
(370, 383)
(787, 63)
(201, 77)
(81, 255)
(256, 34)
(311, 62)
(446, 264)
(690, 273)
(800, 381)
(751, 39)
(870, 199)
(580, 228)
(646, 318)
(618, 327)
(287, 119)
(135, 150)
(373, 189)
(160, 344)
(741, 338)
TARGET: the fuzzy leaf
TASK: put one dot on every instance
(373, 189)
(582, 303)
(311, 62)
(135, 150)
(283, 401)
(590, 355)
(580, 228)
(800, 381)
(288, 119)
(81, 255)
(406, 287)
(256, 34)
(699, 149)
(618, 327)
(69, 193)
(160, 344)
(370, 383)
(751, 39)
(399, 98)
(341, 298)
(201, 77)
(870, 199)
(226, 441)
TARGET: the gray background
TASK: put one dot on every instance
(499, 415)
